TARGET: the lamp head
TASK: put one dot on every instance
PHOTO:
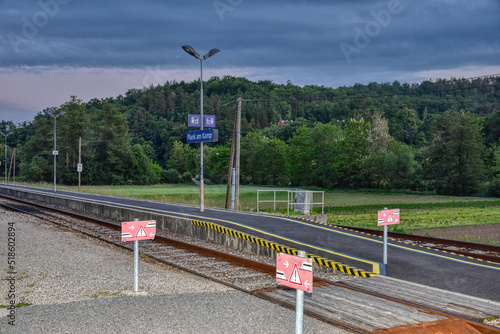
(189, 49)
(211, 53)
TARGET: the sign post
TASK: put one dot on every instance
(201, 136)
(385, 218)
(295, 272)
(135, 231)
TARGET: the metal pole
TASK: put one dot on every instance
(258, 191)
(14, 171)
(323, 203)
(53, 153)
(202, 202)
(288, 203)
(385, 244)
(136, 263)
(79, 161)
(299, 305)
(232, 189)
(5, 160)
(274, 201)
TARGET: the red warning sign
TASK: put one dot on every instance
(294, 272)
(138, 230)
(388, 217)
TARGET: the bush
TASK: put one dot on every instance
(171, 176)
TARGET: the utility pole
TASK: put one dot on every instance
(79, 161)
(234, 161)
(237, 155)
(55, 152)
(5, 134)
(231, 164)
(12, 161)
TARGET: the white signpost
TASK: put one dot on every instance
(385, 218)
(295, 272)
(135, 231)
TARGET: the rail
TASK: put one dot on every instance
(279, 296)
(291, 200)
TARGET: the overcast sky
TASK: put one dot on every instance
(51, 49)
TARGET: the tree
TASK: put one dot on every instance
(217, 163)
(37, 151)
(323, 142)
(351, 150)
(250, 161)
(492, 128)
(300, 157)
(272, 162)
(70, 127)
(182, 160)
(379, 133)
(455, 154)
(113, 151)
(263, 160)
(495, 171)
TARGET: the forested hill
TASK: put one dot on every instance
(438, 135)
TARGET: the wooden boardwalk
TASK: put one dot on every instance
(370, 313)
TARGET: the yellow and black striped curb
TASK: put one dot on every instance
(285, 249)
(415, 245)
(393, 239)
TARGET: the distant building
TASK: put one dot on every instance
(283, 122)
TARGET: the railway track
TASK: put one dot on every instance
(469, 249)
(258, 278)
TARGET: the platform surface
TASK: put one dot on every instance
(405, 262)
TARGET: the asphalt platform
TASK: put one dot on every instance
(78, 285)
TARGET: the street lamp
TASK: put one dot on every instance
(54, 152)
(5, 160)
(189, 49)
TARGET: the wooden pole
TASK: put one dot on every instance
(230, 173)
(237, 155)
(11, 161)
(14, 174)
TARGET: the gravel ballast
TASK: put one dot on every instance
(76, 284)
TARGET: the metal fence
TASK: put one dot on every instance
(291, 199)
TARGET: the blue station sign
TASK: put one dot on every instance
(198, 136)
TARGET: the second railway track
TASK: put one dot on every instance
(480, 251)
(352, 305)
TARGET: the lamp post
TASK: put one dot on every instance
(5, 160)
(54, 152)
(189, 49)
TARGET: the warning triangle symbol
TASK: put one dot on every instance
(141, 233)
(389, 220)
(295, 277)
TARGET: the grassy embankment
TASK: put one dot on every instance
(351, 208)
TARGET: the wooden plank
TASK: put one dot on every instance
(460, 304)
(357, 309)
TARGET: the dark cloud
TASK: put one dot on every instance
(387, 35)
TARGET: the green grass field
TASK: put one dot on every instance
(351, 208)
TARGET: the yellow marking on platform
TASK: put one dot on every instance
(376, 265)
